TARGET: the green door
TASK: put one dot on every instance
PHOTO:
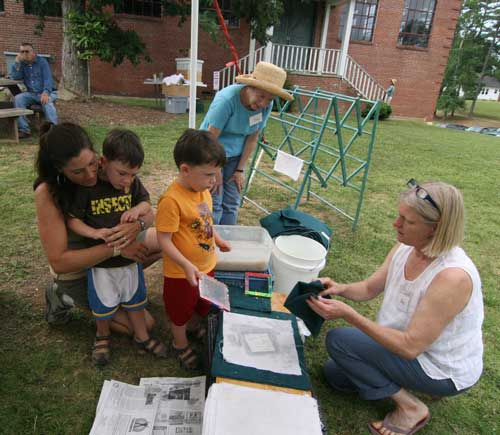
(297, 24)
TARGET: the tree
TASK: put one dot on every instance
(90, 30)
(475, 53)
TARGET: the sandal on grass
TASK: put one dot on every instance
(188, 358)
(101, 350)
(153, 346)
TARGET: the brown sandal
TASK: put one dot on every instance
(188, 357)
(153, 346)
(101, 351)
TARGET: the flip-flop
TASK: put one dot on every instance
(392, 428)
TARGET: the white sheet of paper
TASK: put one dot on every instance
(259, 343)
(232, 409)
(288, 165)
(283, 359)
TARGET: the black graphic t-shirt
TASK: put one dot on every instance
(101, 206)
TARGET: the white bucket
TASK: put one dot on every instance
(287, 273)
(301, 250)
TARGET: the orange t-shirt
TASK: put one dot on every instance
(188, 216)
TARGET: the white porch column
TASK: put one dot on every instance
(324, 33)
(268, 51)
(251, 56)
(193, 67)
(346, 37)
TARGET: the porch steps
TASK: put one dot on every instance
(312, 61)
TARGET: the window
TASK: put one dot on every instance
(50, 8)
(2, 7)
(417, 22)
(145, 8)
(226, 6)
(363, 21)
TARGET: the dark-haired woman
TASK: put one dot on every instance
(66, 158)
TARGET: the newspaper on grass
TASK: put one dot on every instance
(182, 401)
(124, 409)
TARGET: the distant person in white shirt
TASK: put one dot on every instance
(427, 336)
(390, 91)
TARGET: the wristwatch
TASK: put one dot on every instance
(142, 224)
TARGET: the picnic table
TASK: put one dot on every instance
(11, 85)
(9, 117)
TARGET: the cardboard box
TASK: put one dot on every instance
(175, 90)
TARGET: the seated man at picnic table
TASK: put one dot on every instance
(35, 72)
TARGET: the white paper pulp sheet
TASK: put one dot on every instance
(258, 342)
(288, 165)
(235, 410)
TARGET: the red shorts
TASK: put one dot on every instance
(181, 300)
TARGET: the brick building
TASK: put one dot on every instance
(406, 40)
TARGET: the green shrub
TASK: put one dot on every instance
(385, 111)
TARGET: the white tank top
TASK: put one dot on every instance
(457, 354)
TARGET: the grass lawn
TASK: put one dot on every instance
(48, 385)
(486, 114)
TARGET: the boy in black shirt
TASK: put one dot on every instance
(117, 282)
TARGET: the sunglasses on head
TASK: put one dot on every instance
(422, 193)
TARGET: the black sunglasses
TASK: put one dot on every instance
(422, 193)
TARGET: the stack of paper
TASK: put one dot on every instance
(159, 406)
(232, 409)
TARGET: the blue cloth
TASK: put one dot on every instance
(226, 202)
(26, 99)
(227, 114)
(360, 364)
(36, 76)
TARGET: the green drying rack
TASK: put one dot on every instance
(335, 142)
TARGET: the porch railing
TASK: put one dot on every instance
(308, 60)
(362, 81)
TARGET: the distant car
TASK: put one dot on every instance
(493, 132)
(456, 126)
(477, 129)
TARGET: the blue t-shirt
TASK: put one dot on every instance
(235, 121)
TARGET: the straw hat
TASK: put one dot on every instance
(393, 81)
(267, 77)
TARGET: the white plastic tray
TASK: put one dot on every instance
(251, 248)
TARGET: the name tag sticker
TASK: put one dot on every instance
(255, 119)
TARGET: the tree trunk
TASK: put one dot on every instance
(74, 70)
(483, 72)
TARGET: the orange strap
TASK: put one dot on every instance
(228, 38)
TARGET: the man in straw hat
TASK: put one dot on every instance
(236, 117)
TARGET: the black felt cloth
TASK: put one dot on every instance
(296, 304)
(289, 221)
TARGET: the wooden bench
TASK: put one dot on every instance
(9, 118)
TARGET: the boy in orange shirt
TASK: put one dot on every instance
(186, 236)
